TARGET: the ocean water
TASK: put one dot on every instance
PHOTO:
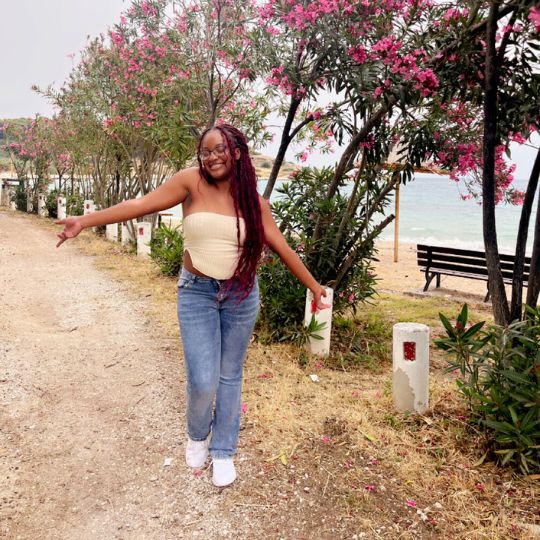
(433, 212)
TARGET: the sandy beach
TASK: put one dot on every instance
(405, 276)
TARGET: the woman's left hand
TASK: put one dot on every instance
(318, 293)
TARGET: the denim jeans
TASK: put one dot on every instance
(215, 331)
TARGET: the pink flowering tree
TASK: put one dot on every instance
(393, 66)
(147, 89)
(14, 136)
(29, 154)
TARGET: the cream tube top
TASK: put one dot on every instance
(212, 243)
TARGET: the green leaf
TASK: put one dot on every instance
(514, 415)
(473, 330)
(448, 326)
(507, 456)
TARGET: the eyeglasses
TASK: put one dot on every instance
(219, 151)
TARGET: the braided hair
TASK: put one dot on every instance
(243, 188)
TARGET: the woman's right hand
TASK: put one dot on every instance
(72, 228)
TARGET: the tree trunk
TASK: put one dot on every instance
(534, 272)
(499, 301)
(521, 242)
(283, 146)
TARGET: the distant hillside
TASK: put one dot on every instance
(263, 166)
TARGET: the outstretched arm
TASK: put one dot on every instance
(169, 194)
(292, 261)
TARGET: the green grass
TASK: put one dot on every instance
(364, 340)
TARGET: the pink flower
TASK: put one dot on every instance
(243, 408)
(411, 503)
(358, 54)
(370, 487)
(325, 439)
(534, 17)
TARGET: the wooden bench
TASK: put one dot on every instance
(435, 261)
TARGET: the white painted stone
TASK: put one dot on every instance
(29, 203)
(42, 209)
(411, 367)
(144, 235)
(4, 196)
(88, 206)
(320, 347)
(61, 206)
(126, 236)
(111, 232)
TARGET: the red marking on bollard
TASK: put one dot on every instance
(313, 306)
(409, 350)
(141, 231)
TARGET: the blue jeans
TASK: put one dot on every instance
(215, 332)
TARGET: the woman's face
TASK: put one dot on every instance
(216, 157)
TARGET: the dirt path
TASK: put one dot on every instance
(91, 407)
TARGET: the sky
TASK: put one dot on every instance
(38, 49)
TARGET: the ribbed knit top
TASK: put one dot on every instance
(211, 240)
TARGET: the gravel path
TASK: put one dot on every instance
(91, 407)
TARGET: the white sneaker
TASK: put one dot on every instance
(224, 472)
(196, 453)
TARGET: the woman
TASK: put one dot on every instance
(226, 225)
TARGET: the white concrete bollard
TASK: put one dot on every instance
(111, 232)
(88, 206)
(12, 203)
(144, 235)
(61, 206)
(320, 347)
(126, 237)
(411, 367)
(29, 203)
(42, 209)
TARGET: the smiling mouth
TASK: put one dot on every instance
(216, 165)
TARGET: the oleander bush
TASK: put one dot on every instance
(499, 375)
(75, 205)
(19, 197)
(51, 203)
(166, 249)
(340, 255)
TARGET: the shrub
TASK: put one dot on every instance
(167, 248)
(75, 205)
(499, 371)
(19, 197)
(345, 237)
(51, 203)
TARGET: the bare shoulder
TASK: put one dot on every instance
(186, 177)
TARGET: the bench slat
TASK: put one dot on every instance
(464, 263)
(463, 252)
(442, 260)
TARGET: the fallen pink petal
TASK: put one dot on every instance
(411, 503)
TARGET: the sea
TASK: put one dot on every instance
(432, 211)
